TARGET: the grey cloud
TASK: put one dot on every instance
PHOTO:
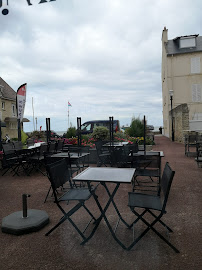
(102, 56)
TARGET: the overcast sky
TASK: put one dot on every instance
(103, 56)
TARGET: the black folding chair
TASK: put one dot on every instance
(190, 142)
(77, 165)
(72, 167)
(104, 157)
(10, 160)
(51, 148)
(13, 160)
(150, 203)
(148, 172)
(58, 174)
(59, 146)
(30, 142)
(199, 153)
(37, 160)
(121, 158)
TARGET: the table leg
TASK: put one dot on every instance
(120, 217)
(103, 211)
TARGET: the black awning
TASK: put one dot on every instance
(11, 119)
(3, 124)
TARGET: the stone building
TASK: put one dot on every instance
(181, 83)
(8, 114)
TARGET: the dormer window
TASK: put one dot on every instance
(187, 42)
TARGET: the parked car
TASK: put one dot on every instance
(87, 127)
(150, 127)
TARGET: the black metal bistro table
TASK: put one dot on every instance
(73, 156)
(103, 176)
(148, 153)
(115, 144)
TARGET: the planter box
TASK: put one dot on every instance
(148, 147)
(93, 153)
(93, 159)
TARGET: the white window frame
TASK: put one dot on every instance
(3, 105)
(187, 42)
(196, 93)
(195, 65)
(13, 108)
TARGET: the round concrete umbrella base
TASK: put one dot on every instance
(16, 224)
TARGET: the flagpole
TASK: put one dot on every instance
(33, 112)
(68, 114)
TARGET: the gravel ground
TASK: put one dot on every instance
(61, 250)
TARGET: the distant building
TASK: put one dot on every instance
(182, 78)
(8, 114)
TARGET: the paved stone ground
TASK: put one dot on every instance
(62, 250)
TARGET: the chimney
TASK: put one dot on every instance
(165, 35)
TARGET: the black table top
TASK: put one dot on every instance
(115, 144)
(72, 155)
(148, 153)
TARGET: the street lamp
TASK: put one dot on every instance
(171, 102)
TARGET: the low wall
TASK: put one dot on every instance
(180, 122)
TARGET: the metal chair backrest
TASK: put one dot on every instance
(98, 145)
(133, 147)
(192, 138)
(9, 153)
(155, 159)
(166, 182)
(43, 149)
(7, 146)
(58, 174)
(52, 147)
(60, 145)
(199, 149)
(199, 138)
(30, 142)
(8, 149)
(18, 145)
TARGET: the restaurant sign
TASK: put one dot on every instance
(21, 100)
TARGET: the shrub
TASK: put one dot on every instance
(15, 139)
(71, 132)
(136, 128)
(120, 136)
(100, 133)
(38, 135)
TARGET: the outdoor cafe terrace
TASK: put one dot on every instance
(62, 250)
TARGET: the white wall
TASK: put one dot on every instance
(195, 125)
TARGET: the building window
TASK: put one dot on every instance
(12, 125)
(196, 93)
(195, 65)
(3, 106)
(13, 109)
(187, 42)
(197, 116)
